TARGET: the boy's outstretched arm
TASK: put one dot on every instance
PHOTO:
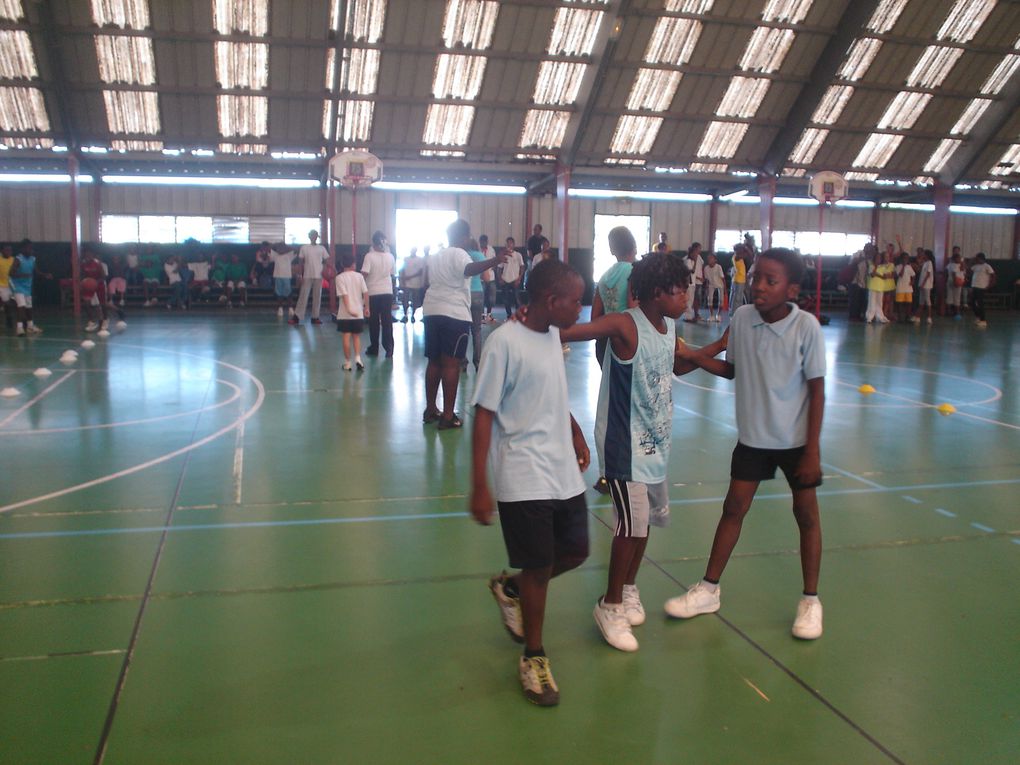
(809, 469)
(481, 503)
(681, 365)
(580, 445)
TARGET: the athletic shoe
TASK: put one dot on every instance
(412, 319)
(566, 348)
(632, 605)
(223, 298)
(808, 624)
(346, 366)
(601, 485)
(91, 327)
(659, 517)
(403, 320)
(697, 600)
(614, 625)
(294, 320)
(316, 322)
(105, 324)
(279, 312)
(34, 330)
(509, 608)
(290, 311)
(359, 365)
(982, 323)
(20, 332)
(915, 319)
(929, 320)
(537, 681)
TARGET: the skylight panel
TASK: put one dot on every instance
(356, 124)
(240, 17)
(132, 111)
(365, 19)
(859, 176)
(242, 148)
(442, 153)
(942, 154)
(11, 10)
(558, 82)
(631, 161)
(17, 59)
(886, 15)
(458, 76)
(794, 172)
(469, 23)
(1010, 162)
(965, 19)
(933, 66)
(722, 139)
(653, 90)
(22, 109)
(544, 129)
(810, 142)
(574, 31)
(1000, 76)
(136, 145)
(858, 59)
(242, 115)
(27, 143)
(125, 14)
(673, 41)
(242, 65)
(125, 59)
(362, 77)
(448, 125)
(923, 180)
(533, 156)
(743, 97)
(877, 150)
(708, 167)
(689, 6)
(786, 11)
(767, 49)
(832, 104)
(970, 116)
(635, 135)
(903, 111)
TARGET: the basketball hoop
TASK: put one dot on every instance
(827, 187)
(355, 169)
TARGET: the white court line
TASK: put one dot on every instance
(238, 463)
(44, 392)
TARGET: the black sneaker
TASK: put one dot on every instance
(601, 485)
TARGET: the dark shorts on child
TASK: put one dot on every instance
(350, 326)
(539, 532)
(751, 464)
(445, 336)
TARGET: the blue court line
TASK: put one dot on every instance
(915, 500)
(1016, 541)
(945, 512)
(982, 527)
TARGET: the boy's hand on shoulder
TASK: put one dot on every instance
(481, 505)
(809, 468)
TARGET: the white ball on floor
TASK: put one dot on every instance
(103, 333)
(121, 325)
(10, 392)
(88, 344)
(42, 372)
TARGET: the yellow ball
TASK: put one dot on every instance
(945, 409)
(866, 389)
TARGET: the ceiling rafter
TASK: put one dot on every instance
(982, 135)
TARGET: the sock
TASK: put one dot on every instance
(710, 585)
(20, 325)
(813, 596)
(529, 654)
(30, 323)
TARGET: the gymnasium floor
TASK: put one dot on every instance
(216, 547)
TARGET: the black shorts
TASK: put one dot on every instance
(539, 532)
(350, 326)
(445, 336)
(751, 464)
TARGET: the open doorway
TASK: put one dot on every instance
(640, 226)
(421, 229)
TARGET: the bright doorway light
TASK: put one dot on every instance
(639, 225)
(421, 229)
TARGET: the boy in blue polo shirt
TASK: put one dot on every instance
(776, 353)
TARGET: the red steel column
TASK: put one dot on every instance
(943, 197)
(713, 222)
(72, 169)
(876, 219)
(766, 195)
(562, 209)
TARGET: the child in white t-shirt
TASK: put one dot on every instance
(352, 311)
(715, 285)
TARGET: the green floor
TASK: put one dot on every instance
(320, 596)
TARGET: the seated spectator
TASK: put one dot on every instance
(118, 284)
(261, 274)
(237, 272)
(200, 271)
(150, 269)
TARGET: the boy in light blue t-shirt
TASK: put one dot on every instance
(523, 430)
(777, 354)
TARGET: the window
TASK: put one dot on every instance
(639, 225)
(156, 228)
(421, 229)
(198, 227)
(295, 230)
(120, 228)
(227, 228)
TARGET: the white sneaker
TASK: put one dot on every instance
(34, 330)
(279, 312)
(981, 323)
(615, 628)
(346, 366)
(929, 320)
(632, 605)
(91, 327)
(105, 324)
(659, 517)
(808, 624)
(20, 332)
(566, 348)
(509, 607)
(537, 681)
(697, 600)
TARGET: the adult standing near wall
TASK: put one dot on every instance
(312, 256)
(379, 269)
(447, 311)
(534, 244)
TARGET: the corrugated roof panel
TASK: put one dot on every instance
(574, 31)
(1009, 164)
(767, 49)
(126, 14)
(933, 66)
(240, 16)
(855, 175)
(635, 135)
(653, 90)
(11, 10)
(242, 65)
(458, 76)
(970, 116)
(689, 6)
(786, 11)
(357, 121)
(365, 18)
(22, 109)
(624, 161)
(17, 59)
(810, 142)
(242, 148)
(722, 139)
(242, 115)
(832, 104)
(903, 111)
(448, 125)
(743, 97)
(125, 59)
(544, 129)
(877, 150)
(965, 19)
(26, 143)
(132, 111)
(858, 59)
(558, 82)
(441, 153)
(673, 41)
(942, 154)
(135, 145)
(363, 76)
(1000, 76)
(886, 15)
(708, 167)
(794, 172)
(469, 23)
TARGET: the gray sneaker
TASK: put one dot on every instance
(632, 605)
(537, 681)
(509, 608)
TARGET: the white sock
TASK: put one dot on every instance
(709, 586)
(812, 598)
(31, 323)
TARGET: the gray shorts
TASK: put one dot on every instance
(924, 296)
(638, 506)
